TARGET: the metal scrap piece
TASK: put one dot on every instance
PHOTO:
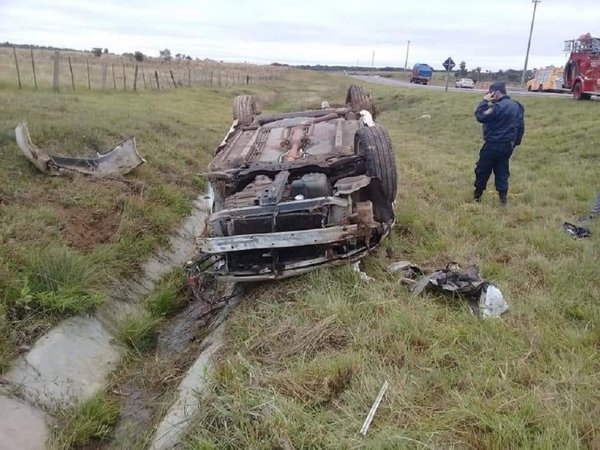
(373, 410)
(118, 161)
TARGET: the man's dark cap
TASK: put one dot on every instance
(498, 86)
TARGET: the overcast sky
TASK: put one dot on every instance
(485, 33)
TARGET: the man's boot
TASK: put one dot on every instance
(503, 195)
(477, 195)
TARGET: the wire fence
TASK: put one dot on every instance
(64, 71)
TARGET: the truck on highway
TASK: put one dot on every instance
(547, 79)
(581, 76)
(421, 74)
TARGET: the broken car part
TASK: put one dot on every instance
(373, 410)
(485, 298)
(119, 161)
(294, 191)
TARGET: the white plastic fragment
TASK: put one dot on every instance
(362, 275)
(491, 302)
(369, 419)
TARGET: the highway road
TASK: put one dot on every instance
(403, 83)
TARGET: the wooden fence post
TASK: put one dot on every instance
(33, 68)
(156, 76)
(17, 64)
(87, 61)
(114, 78)
(172, 78)
(103, 76)
(124, 79)
(55, 71)
(135, 78)
(72, 77)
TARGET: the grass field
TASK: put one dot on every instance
(305, 358)
(64, 239)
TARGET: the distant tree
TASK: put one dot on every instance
(478, 73)
(188, 57)
(463, 68)
(128, 55)
(178, 55)
(97, 51)
(139, 56)
(106, 51)
(165, 54)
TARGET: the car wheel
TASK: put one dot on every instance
(358, 99)
(244, 109)
(540, 88)
(529, 88)
(374, 142)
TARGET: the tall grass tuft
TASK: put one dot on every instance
(86, 425)
(59, 281)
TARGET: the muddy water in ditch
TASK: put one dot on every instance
(153, 385)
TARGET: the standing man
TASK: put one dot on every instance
(503, 129)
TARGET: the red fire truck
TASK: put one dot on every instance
(582, 71)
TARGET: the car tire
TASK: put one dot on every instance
(358, 98)
(541, 88)
(244, 109)
(374, 143)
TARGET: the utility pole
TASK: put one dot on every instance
(406, 60)
(535, 2)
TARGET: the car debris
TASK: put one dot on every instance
(291, 192)
(361, 273)
(485, 298)
(576, 231)
(581, 230)
(118, 161)
(373, 410)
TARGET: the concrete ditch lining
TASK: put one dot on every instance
(71, 362)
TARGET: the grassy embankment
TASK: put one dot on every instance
(305, 358)
(63, 239)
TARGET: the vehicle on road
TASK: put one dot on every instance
(547, 79)
(582, 71)
(465, 83)
(421, 74)
(294, 191)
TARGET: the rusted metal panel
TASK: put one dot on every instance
(278, 240)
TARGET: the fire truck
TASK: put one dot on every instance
(582, 71)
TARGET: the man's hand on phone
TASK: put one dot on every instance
(489, 97)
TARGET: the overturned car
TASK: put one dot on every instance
(294, 191)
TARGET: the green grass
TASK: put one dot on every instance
(139, 331)
(105, 228)
(85, 425)
(305, 358)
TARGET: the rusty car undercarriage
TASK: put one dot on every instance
(294, 191)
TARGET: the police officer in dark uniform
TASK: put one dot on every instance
(503, 129)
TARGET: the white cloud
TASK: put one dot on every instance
(490, 34)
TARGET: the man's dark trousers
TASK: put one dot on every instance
(493, 156)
